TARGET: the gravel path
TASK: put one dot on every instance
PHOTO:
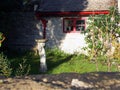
(64, 81)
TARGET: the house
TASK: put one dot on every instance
(62, 22)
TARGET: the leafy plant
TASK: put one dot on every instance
(4, 66)
(102, 32)
(23, 68)
(58, 62)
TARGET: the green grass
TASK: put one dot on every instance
(57, 62)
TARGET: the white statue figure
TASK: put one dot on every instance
(42, 54)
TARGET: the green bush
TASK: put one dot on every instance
(102, 37)
(23, 68)
(4, 66)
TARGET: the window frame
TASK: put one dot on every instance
(74, 24)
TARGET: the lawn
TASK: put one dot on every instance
(57, 62)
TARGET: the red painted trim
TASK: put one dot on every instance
(74, 24)
(47, 14)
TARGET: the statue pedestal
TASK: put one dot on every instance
(42, 54)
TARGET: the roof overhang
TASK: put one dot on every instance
(62, 14)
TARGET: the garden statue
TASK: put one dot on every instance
(2, 38)
(42, 54)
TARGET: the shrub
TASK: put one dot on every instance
(4, 66)
(102, 37)
(23, 68)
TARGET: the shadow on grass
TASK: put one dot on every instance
(55, 61)
(52, 63)
(16, 58)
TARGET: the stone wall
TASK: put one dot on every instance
(22, 31)
(67, 42)
(25, 29)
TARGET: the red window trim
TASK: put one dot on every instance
(74, 24)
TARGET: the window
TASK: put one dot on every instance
(74, 25)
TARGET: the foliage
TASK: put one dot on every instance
(2, 38)
(23, 68)
(23, 63)
(57, 62)
(102, 32)
(5, 66)
(116, 54)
